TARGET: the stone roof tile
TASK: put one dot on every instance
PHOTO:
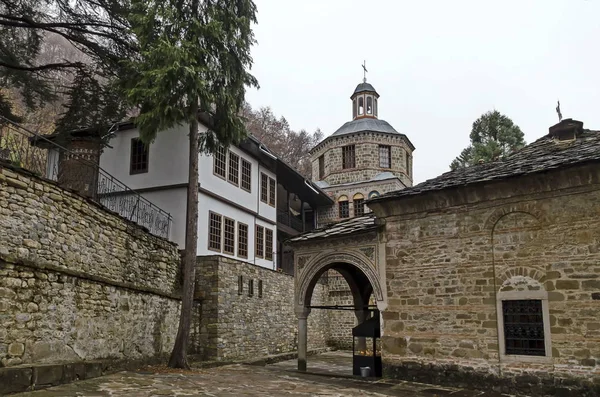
(345, 227)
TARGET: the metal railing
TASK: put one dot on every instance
(78, 169)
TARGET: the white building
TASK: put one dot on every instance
(238, 188)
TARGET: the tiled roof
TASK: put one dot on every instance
(349, 226)
(545, 154)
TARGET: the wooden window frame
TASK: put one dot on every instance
(385, 151)
(272, 192)
(321, 167)
(133, 154)
(264, 188)
(242, 248)
(348, 157)
(246, 177)
(233, 170)
(346, 204)
(268, 244)
(210, 234)
(359, 203)
(216, 160)
(259, 246)
(231, 239)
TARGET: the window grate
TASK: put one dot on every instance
(272, 191)
(385, 155)
(220, 161)
(524, 327)
(139, 157)
(344, 209)
(242, 240)
(269, 244)
(264, 187)
(359, 207)
(229, 236)
(348, 156)
(260, 241)
(234, 168)
(214, 227)
(246, 175)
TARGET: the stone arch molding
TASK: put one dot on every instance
(321, 261)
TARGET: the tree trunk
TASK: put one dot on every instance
(179, 355)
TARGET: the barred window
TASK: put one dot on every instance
(214, 232)
(260, 288)
(348, 158)
(250, 287)
(139, 157)
(229, 236)
(359, 204)
(272, 190)
(321, 166)
(343, 207)
(242, 240)
(260, 241)
(246, 175)
(524, 327)
(220, 160)
(385, 156)
(234, 168)
(264, 187)
(269, 244)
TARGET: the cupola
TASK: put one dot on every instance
(364, 101)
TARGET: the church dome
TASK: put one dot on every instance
(364, 87)
(365, 124)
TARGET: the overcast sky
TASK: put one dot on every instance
(438, 65)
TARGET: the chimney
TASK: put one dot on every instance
(566, 130)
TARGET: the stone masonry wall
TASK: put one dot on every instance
(341, 321)
(367, 158)
(78, 282)
(234, 324)
(447, 263)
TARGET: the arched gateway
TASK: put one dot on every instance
(355, 256)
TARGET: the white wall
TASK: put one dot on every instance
(217, 185)
(207, 204)
(167, 158)
(173, 201)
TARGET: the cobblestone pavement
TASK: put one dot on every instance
(247, 380)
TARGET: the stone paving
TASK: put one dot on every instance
(247, 380)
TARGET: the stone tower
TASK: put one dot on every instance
(364, 158)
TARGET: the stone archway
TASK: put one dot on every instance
(357, 267)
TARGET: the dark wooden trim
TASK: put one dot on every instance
(147, 148)
(236, 205)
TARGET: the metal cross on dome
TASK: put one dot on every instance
(364, 66)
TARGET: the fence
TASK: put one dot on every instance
(78, 169)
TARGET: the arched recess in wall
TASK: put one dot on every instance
(373, 193)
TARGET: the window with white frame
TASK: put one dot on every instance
(234, 168)
(220, 162)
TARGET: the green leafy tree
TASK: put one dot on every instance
(493, 137)
(194, 60)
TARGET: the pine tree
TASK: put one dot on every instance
(195, 56)
(493, 137)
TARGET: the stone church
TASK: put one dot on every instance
(486, 276)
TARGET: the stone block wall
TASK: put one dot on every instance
(451, 257)
(78, 282)
(234, 324)
(366, 155)
(341, 321)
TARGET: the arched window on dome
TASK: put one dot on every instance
(361, 106)
(358, 201)
(373, 194)
(375, 107)
(343, 207)
(354, 108)
(369, 105)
